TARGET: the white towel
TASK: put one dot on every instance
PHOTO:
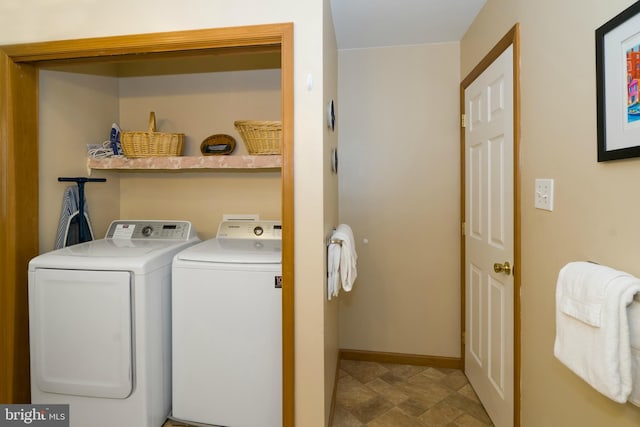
(348, 256)
(341, 261)
(592, 326)
(634, 326)
(333, 266)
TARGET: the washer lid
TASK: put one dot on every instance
(234, 251)
(136, 255)
(114, 248)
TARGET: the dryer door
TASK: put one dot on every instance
(80, 332)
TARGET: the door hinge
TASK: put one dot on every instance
(463, 121)
(464, 228)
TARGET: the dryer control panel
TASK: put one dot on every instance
(157, 230)
(258, 230)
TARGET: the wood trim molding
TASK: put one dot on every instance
(511, 38)
(517, 223)
(179, 42)
(507, 40)
(288, 270)
(401, 358)
(18, 116)
(18, 222)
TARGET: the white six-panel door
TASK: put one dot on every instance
(489, 237)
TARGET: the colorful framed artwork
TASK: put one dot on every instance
(617, 85)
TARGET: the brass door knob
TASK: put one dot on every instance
(502, 268)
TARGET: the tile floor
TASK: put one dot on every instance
(388, 395)
(371, 394)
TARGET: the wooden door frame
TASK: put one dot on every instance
(18, 221)
(512, 38)
(19, 169)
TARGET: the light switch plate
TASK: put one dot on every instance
(544, 194)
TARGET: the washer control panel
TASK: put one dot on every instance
(259, 230)
(157, 230)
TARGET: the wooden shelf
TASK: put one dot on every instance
(187, 162)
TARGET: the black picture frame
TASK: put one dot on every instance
(618, 123)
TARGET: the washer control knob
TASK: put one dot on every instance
(147, 231)
(258, 231)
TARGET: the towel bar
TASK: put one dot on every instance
(334, 241)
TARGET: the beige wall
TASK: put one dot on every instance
(399, 189)
(198, 105)
(65, 129)
(330, 201)
(22, 22)
(595, 215)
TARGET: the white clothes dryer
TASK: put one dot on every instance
(100, 324)
(227, 327)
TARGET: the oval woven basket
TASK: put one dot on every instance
(216, 145)
(260, 136)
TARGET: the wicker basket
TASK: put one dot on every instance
(260, 137)
(151, 143)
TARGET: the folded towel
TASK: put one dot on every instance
(341, 261)
(592, 326)
(333, 267)
(348, 256)
(585, 290)
(634, 327)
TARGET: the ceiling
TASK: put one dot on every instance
(378, 23)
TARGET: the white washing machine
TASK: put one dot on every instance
(100, 324)
(227, 327)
